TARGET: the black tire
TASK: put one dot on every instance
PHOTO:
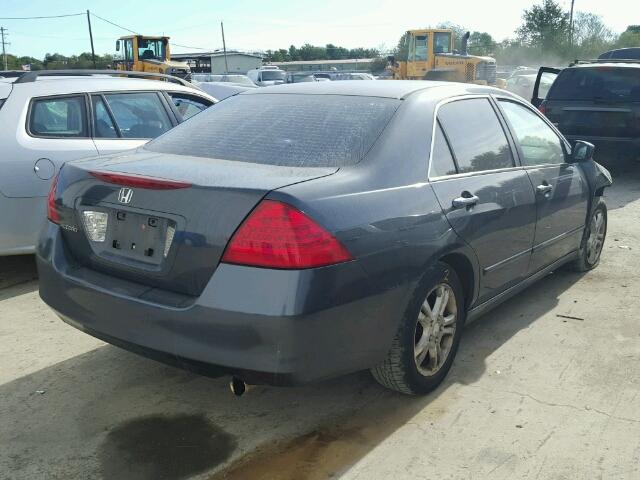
(585, 260)
(399, 371)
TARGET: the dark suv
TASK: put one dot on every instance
(598, 102)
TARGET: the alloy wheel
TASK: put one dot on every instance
(435, 329)
(595, 241)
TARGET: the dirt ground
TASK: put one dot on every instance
(547, 386)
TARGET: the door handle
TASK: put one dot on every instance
(544, 188)
(465, 201)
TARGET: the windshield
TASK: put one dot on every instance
(600, 83)
(271, 75)
(151, 50)
(421, 48)
(239, 79)
(280, 129)
(442, 42)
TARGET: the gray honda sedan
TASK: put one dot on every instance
(299, 232)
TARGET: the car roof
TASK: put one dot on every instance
(60, 85)
(608, 65)
(399, 89)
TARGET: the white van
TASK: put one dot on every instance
(267, 75)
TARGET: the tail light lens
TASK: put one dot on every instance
(543, 108)
(277, 235)
(52, 211)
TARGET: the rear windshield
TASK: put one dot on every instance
(601, 83)
(283, 129)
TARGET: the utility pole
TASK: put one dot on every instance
(571, 24)
(4, 51)
(93, 53)
(224, 48)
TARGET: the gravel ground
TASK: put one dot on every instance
(532, 394)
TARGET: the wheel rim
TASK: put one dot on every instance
(435, 330)
(595, 241)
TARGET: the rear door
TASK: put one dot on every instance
(44, 133)
(561, 190)
(487, 198)
(127, 120)
(544, 80)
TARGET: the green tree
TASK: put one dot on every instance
(629, 38)
(591, 36)
(401, 52)
(545, 26)
(481, 43)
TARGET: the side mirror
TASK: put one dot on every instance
(582, 151)
(117, 45)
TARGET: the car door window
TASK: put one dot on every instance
(188, 105)
(139, 115)
(103, 124)
(58, 117)
(475, 135)
(538, 142)
(442, 163)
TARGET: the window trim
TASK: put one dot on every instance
(507, 134)
(109, 113)
(87, 122)
(172, 120)
(566, 147)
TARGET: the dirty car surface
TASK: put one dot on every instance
(304, 231)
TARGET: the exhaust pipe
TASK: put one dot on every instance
(237, 386)
(463, 43)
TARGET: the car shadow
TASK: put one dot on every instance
(111, 414)
(17, 270)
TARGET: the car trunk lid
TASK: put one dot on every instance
(167, 230)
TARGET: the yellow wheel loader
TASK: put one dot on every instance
(140, 53)
(428, 55)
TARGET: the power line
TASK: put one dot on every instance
(195, 48)
(114, 24)
(42, 17)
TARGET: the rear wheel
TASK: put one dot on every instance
(427, 340)
(593, 239)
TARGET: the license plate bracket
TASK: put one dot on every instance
(137, 236)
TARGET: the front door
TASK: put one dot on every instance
(544, 80)
(562, 194)
(487, 199)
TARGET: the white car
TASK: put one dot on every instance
(49, 118)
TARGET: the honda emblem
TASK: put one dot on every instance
(125, 195)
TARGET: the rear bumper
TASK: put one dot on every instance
(268, 326)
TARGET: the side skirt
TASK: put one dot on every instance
(479, 310)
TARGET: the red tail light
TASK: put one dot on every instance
(52, 212)
(277, 235)
(543, 108)
(140, 181)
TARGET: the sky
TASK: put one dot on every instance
(263, 25)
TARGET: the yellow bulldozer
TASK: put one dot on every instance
(140, 53)
(428, 54)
